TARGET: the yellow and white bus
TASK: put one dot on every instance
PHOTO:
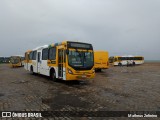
(17, 61)
(66, 60)
(27, 61)
(101, 60)
(126, 60)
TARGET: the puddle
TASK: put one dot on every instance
(110, 92)
(47, 100)
(158, 108)
(1, 94)
(78, 84)
(19, 82)
(104, 74)
(61, 101)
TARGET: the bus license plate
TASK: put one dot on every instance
(84, 76)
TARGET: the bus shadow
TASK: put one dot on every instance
(77, 83)
(101, 71)
(16, 67)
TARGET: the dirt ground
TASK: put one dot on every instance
(115, 89)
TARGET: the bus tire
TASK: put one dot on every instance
(31, 70)
(119, 64)
(53, 75)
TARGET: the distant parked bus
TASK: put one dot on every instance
(27, 61)
(17, 61)
(66, 60)
(126, 60)
(101, 60)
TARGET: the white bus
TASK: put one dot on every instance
(126, 60)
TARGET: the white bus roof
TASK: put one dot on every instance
(40, 47)
(127, 56)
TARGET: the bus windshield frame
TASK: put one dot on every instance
(15, 60)
(80, 59)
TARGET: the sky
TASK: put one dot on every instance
(121, 27)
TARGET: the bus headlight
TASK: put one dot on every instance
(70, 71)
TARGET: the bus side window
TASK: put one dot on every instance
(45, 54)
(31, 56)
(52, 53)
(34, 55)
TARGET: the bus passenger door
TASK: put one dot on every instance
(60, 62)
(39, 62)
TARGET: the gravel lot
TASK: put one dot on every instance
(115, 89)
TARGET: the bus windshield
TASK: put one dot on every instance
(14, 60)
(80, 60)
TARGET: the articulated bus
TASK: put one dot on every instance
(17, 61)
(126, 60)
(66, 60)
(101, 60)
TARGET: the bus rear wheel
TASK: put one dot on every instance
(31, 70)
(119, 64)
(53, 75)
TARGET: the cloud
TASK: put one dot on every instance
(119, 26)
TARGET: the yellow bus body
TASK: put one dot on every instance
(27, 61)
(101, 60)
(16, 61)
